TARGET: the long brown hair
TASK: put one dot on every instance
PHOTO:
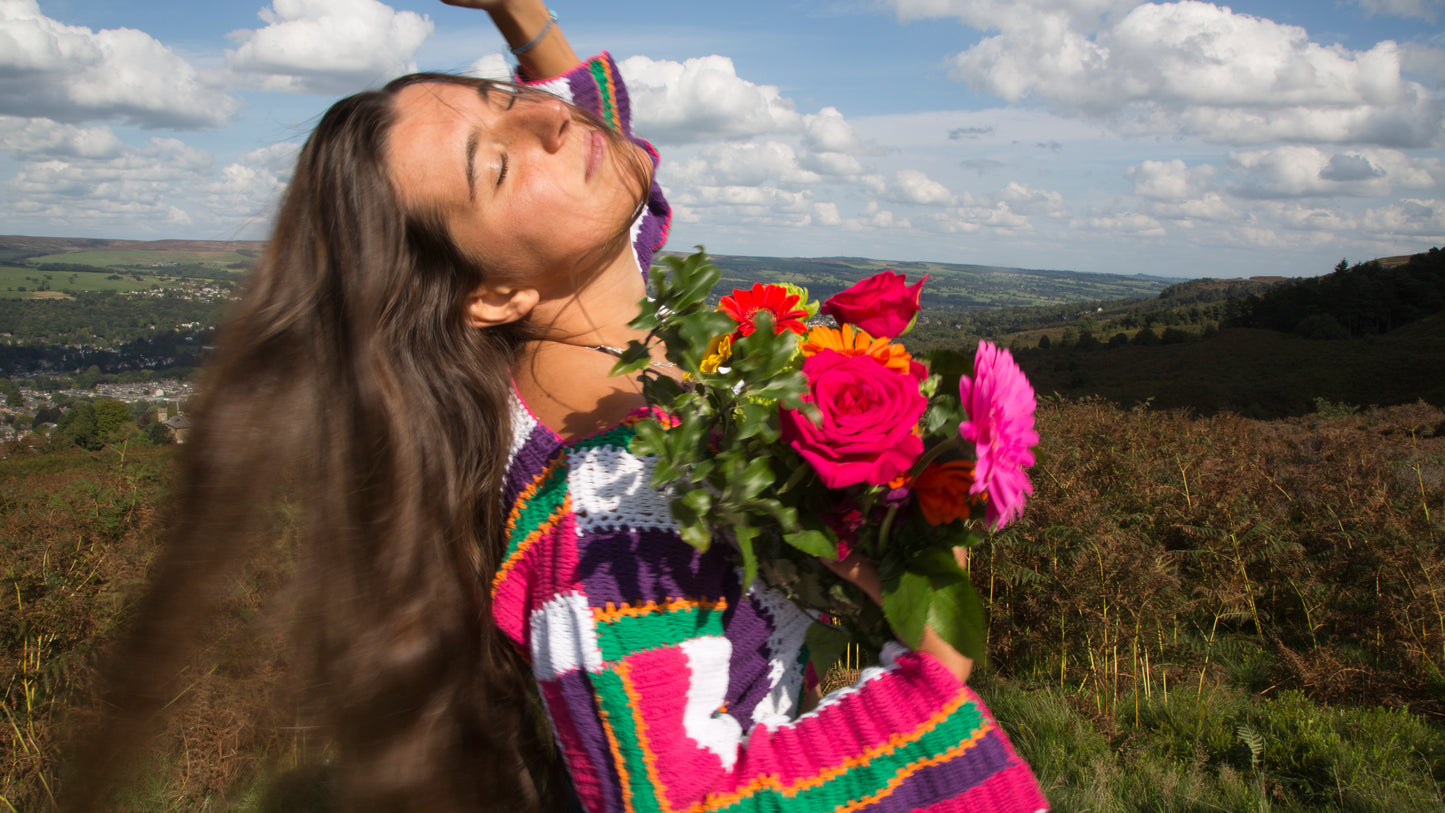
(349, 370)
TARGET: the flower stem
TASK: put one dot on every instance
(886, 529)
(933, 454)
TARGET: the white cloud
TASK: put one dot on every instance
(1130, 223)
(73, 74)
(1169, 180)
(1190, 67)
(491, 66)
(328, 46)
(874, 216)
(909, 186)
(149, 184)
(752, 163)
(703, 99)
(1301, 171)
(828, 132)
(1409, 218)
(40, 139)
(1210, 207)
(252, 185)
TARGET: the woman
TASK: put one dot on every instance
(433, 324)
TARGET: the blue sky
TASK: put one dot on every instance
(1173, 138)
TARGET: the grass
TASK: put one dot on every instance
(13, 278)
(143, 257)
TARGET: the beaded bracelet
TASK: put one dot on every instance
(551, 19)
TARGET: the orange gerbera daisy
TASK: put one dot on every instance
(851, 341)
(942, 491)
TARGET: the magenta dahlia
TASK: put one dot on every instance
(1000, 404)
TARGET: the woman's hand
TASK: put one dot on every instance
(864, 575)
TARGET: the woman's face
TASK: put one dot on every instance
(521, 185)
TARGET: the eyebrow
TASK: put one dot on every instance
(473, 139)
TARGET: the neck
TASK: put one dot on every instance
(597, 313)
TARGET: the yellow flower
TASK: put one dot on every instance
(719, 350)
(851, 341)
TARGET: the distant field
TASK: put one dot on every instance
(106, 258)
(954, 286)
(13, 278)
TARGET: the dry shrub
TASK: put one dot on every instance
(1161, 547)
(80, 530)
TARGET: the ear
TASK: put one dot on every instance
(490, 305)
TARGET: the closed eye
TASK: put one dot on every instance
(502, 173)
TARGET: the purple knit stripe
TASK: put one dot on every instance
(539, 447)
(577, 693)
(584, 90)
(652, 234)
(632, 566)
(945, 780)
(749, 632)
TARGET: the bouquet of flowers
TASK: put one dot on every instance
(800, 437)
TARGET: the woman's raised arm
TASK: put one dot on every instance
(531, 32)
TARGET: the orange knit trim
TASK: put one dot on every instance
(649, 756)
(613, 612)
(623, 779)
(550, 523)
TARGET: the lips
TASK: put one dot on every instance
(596, 149)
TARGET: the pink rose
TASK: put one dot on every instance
(865, 430)
(883, 306)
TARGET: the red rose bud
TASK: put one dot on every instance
(882, 305)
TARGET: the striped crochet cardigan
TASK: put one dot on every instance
(671, 688)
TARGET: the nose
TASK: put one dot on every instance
(548, 119)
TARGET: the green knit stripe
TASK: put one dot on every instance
(536, 509)
(606, 93)
(620, 636)
(617, 710)
(870, 778)
(617, 437)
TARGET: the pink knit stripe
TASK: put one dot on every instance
(534, 567)
(903, 703)
(1011, 790)
(681, 771)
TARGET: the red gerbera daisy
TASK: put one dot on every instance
(743, 305)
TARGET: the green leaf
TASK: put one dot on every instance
(756, 475)
(955, 614)
(813, 543)
(906, 598)
(826, 645)
(745, 536)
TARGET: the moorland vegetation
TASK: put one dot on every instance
(1228, 592)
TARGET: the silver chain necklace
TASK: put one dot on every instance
(617, 351)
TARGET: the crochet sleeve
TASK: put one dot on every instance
(596, 85)
(659, 674)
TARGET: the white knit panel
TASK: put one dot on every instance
(564, 638)
(609, 488)
(785, 673)
(708, 659)
(523, 422)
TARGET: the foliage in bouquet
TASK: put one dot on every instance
(800, 439)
